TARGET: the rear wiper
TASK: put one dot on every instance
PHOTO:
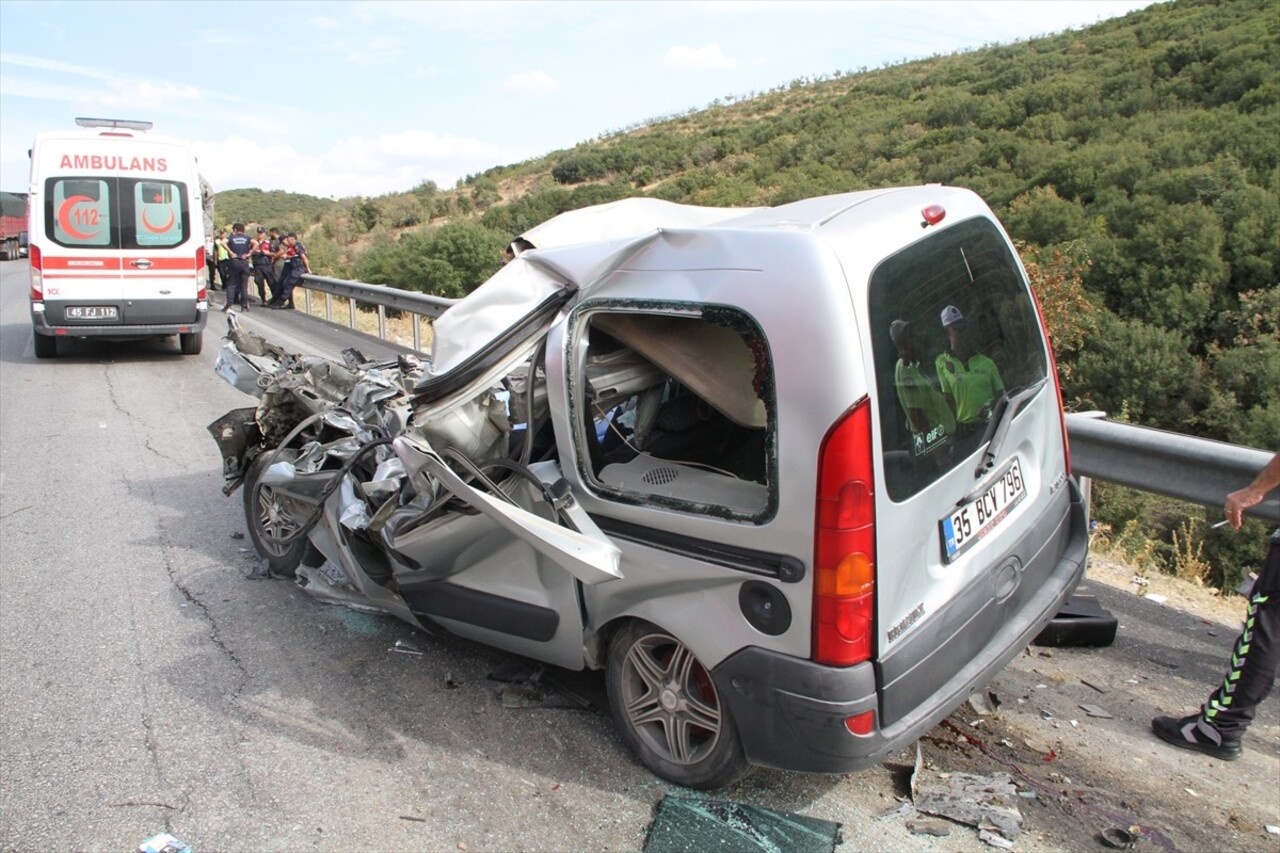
(1005, 409)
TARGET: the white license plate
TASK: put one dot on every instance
(968, 524)
(92, 312)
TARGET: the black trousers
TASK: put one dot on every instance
(238, 287)
(263, 273)
(1255, 658)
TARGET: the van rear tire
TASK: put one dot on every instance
(191, 343)
(46, 346)
(668, 710)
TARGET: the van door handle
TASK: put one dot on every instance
(142, 264)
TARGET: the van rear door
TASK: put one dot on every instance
(973, 516)
(118, 251)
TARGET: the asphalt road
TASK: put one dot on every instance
(147, 685)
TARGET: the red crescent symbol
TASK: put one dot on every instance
(153, 229)
(64, 217)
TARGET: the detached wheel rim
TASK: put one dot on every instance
(669, 699)
(274, 521)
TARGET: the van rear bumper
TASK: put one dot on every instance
(791, 712)
(42, 326)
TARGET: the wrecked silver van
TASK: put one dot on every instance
(796, 478)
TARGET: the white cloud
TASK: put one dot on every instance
(355, 166)
(531, 83)
(324, 22)
(687, 58)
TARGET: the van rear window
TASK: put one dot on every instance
(954, 328)
(116, 213)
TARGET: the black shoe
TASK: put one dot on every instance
(1196, 735)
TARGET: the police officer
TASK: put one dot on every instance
(1216, 729)
(263, 276)
(239, 250)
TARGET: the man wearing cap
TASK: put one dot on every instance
(262, 266)
(928, 416)
(970, 380)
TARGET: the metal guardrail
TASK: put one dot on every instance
(418, 305)
(1197, 470)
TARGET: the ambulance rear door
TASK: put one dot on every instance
(121, 240)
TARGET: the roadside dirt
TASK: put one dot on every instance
(1083, 770)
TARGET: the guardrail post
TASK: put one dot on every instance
(351, 313)
(417, 333)
(382, 323)
(328, 307)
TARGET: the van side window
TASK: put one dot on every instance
(954, 329)
(157, 212)
(677, 410)
(78, 212)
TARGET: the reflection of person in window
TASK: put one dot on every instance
(970, 380)
(928, 415)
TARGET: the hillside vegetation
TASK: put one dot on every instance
(1136, 162)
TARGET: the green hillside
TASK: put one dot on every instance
(1139, 157)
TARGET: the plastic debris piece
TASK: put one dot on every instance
(989, 803)
(1156, 597)
(1273, 830)
(405, 648)
(520, 696)
(1118, 839)
(903, 808)
(164, 843)
(936, 828)
(1098, 687)
(451, 683)
(1045, 715)
(1095, 711)
(1191, 792)
(995, 839)
(985, 704)
(683, 825)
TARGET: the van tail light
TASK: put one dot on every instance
(1057, 383)
(37, 272)
(844, 565)
(202, 277)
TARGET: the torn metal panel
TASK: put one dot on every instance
(591, 559)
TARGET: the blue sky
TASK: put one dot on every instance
(364, 98)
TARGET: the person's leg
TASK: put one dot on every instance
(1255, 658)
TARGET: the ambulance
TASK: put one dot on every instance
(117, 237)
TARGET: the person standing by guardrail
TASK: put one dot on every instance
(295, 266)
(263, 277)
(1255, 659)
(240, 247)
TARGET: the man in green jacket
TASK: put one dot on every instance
(970, 380)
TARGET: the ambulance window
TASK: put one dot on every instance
(677, 411)
(78, 212)
(158, 215)
(953, 327)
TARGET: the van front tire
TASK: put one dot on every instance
(192, 343)
(46, 345)
(668, 710)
